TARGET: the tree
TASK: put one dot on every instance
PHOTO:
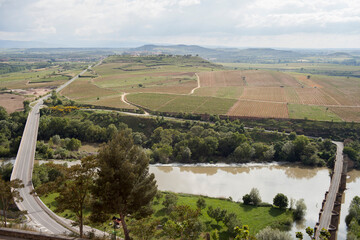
(183, 223)
(255, 196)
(299, 235)
(354, 211)
(123, 185)
(9, 193)
(74, 193)
(231, 221)
(324, 234)
(200, 203)
(299, 145)
(246, 199)
(280, 200)
(300, 209)
(5, 171)
(310, 232)
(170, 201)
(73, 144)
(145, 228)
(244, 152)
(218, 214)
(243, 233)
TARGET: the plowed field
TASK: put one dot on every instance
(315, 96)
(348, 114)
(264, 94)
(247, 78)
(259, 109)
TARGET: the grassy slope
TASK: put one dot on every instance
(181, 103)
(256, 217)
(319, 113)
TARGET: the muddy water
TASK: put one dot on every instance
(352, 190)
(235, 181)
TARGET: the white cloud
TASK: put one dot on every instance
(210, 22)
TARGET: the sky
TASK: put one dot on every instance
(226, 23)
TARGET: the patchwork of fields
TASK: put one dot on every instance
(170, 84)
(193, 85)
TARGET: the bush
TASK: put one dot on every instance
(255, 196)
(252, 198)
(246, 199)
(272, 234)
(280, 200)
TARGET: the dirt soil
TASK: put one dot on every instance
(11, 102)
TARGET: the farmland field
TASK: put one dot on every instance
(181, 103)
(170, 84)
(319, 113)
(348, 114)
(259, 109)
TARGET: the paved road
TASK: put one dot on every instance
(23, 167)
(325, 218)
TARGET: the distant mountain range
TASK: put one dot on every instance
(245, 55)
(223, 54)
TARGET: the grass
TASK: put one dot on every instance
(256, 217)
(318, 113)
(38, 77)
(181, 103)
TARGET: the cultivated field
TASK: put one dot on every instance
(259, 109)
(319, 113)
(349, 114)
(181, 103)
(170, 84)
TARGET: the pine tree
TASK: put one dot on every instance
(124, 185)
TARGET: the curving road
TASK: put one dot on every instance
(39, 215)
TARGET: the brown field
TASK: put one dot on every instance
(259, 109)
(315, 96)
(348, 114)
(247, 78)
(11, 102)
(292, 96)
(308, 82)
(275, 94)
(221, 78)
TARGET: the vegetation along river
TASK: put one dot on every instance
(237, 180)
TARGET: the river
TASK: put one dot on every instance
(237, 180)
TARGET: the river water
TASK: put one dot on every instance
(237, 180)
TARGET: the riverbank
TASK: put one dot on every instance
(256, 217)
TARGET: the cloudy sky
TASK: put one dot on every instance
(232, 23)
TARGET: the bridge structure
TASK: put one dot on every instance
(329, 215)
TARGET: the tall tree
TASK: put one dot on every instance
(124, 184)
(74, 193)
(9, 193)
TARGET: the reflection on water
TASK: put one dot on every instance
(352, 190)
(236, 181)
(291, 170)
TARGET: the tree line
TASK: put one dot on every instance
(192, 142)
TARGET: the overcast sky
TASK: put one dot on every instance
(233, 23)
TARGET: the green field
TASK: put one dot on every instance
(318, 113)
(44, 77)
(256, 217)
(181, 103)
